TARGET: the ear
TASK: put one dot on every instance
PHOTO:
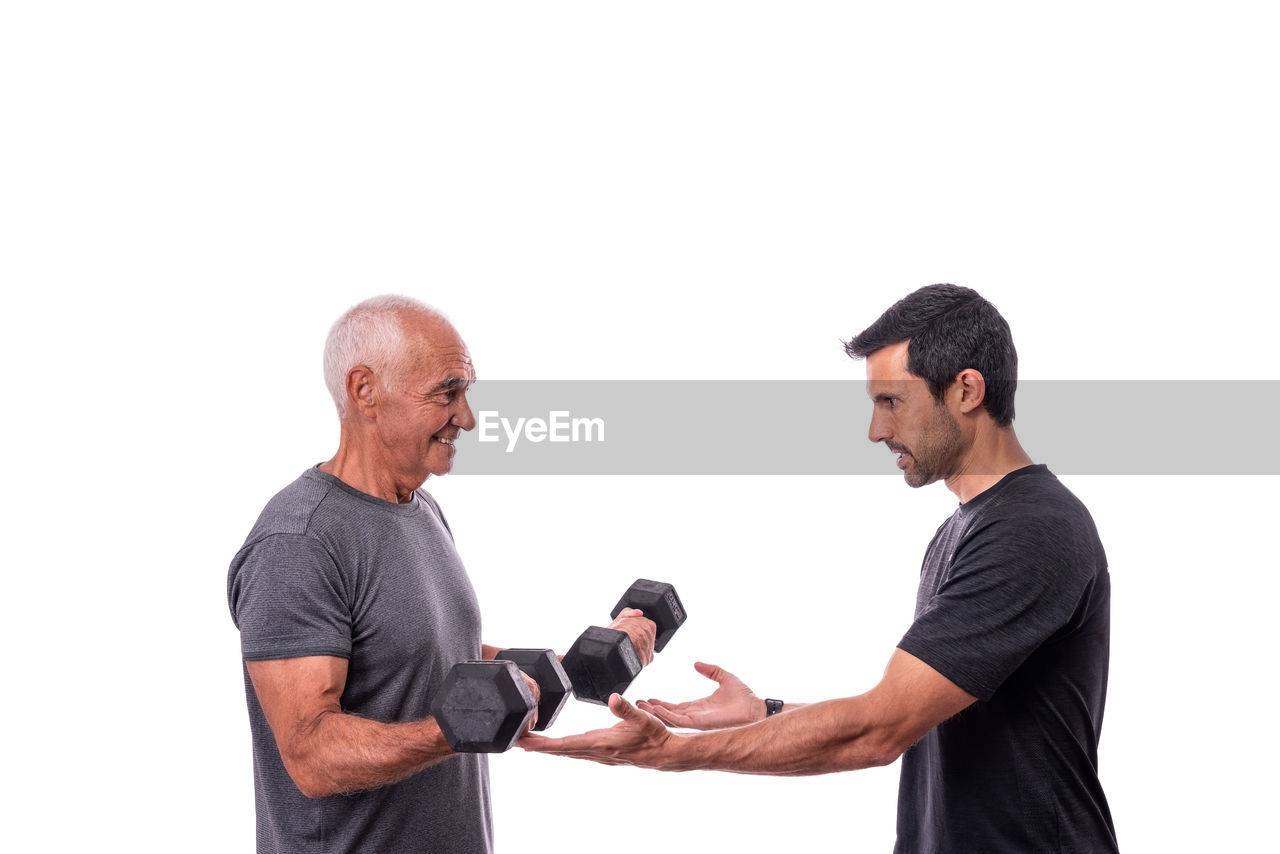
(362, 391)
(972, 388)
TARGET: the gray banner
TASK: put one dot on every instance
(718, 427)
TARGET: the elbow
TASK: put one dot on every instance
(314, 790)
(307, 777)
(884, 749)
(887, 756)
(310, 784)
(307, 764)
(865, 752)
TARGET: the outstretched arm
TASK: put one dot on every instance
(325, 750)
(836, 735)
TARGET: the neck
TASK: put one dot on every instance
(361, 465)
(994, 453)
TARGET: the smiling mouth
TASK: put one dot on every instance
(443, 441)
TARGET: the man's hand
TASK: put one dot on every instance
(731, 704)
(536, 691)
(638, 739)
(642, 631)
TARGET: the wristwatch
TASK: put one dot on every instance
(772, 707)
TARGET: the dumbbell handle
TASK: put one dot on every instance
(543, 667)
(604, 661)
(601, 662)
(659, 602)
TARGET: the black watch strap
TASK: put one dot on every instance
(772, 707)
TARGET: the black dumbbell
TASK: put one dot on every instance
(604, 661)
(544, 667)
(484, 706)
(659, 602)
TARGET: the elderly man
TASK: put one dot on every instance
(994, 696)
(352, 606)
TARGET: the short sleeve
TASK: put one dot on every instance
(1012, 585)
(287, 597)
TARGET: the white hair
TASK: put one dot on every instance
(371, 334)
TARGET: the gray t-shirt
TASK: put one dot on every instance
(329, 570)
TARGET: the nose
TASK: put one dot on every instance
(879, 430)
(462, 416)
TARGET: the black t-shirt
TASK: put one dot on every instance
(1014, 607)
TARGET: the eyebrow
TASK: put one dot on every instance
(450, 384)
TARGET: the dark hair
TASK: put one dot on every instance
(950, 329)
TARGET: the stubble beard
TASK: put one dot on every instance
(937, 452)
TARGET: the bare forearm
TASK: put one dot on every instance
(835, 735)
(818, 738)
(339, 753)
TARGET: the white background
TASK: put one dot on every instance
(191, 194)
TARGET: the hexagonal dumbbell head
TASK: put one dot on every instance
(483, 706)
(601, 662)
(553, 683)
(659, 602)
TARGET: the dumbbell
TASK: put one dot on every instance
(604, 661)
(544, 667)
(485, 706)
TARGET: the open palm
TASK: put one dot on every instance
(731, 704)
